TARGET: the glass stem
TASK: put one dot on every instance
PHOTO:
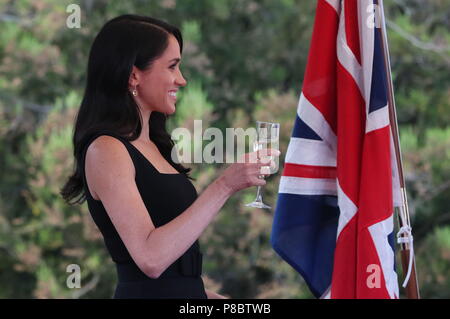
(258, 195)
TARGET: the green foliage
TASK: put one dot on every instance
(427, 176)
(434, 261)
(243, 60)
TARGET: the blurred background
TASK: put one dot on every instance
(244, 61)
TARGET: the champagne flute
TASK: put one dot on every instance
(267, 138)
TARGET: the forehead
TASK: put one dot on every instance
(173, 49)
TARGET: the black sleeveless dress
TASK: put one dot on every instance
(166, 196)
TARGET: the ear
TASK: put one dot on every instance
(134, 77)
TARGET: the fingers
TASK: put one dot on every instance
(262, 155)
(266, 155)
(269, 152)
(266, 163)
(264, 170)
(260, 182)
(251, 157)
(255, 166)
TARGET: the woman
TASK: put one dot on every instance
(142, 201)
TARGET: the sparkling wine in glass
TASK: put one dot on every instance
(267, 138)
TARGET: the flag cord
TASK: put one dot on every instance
(404, 236)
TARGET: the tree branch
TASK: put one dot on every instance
(23, 21)
(415, 41)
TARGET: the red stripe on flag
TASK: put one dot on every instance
(309, 171)
(376, 178)
(351, 27)
(351, 130)
(319, 84)
(343, 283)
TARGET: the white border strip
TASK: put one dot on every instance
(366, 40)
(309, 114)
(346, 56)
(307, 186)
(309, 152)
(379, 233)
(347, 208)
(377, 119)
(396, 189)
(326, 294)
(336, 4)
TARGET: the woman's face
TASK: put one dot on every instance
(158, 85)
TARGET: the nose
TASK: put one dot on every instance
(180, 80)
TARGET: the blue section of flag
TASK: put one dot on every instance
(378, 95)
(391, 241)
(302, 130)
(304, 235)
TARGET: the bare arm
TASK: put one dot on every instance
(212, 295)
(110, 171)
(174, 238)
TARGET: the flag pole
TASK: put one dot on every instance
(408, 261)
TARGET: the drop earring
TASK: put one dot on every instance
(134, 92)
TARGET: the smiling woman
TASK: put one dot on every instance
(156, 88)
(144, 204)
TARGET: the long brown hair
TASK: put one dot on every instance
(107, 105)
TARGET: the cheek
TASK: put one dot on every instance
(149, 89)
(154, 94)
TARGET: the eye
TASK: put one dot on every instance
(173, 66)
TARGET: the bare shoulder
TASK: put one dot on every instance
(106, 150)
(106, 146)
(107, 161)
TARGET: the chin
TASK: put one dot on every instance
(171, 110)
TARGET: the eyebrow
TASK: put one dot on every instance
(175, 60)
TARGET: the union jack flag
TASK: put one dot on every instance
(333, 220)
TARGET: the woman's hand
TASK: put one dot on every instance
(246, 172)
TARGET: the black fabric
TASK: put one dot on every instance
(165, 196)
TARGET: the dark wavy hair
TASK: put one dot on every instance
(107, 105)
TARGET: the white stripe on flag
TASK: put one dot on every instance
(326, 294)
(367, 42)
(379, 233)
(310, 152)
(309, 114)
(336, 4)
(396, 190)
(377, 119)
(347, 209)
(346, 56)
(307, 186)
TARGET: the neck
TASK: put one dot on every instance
(145, 133)
(145, 114)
